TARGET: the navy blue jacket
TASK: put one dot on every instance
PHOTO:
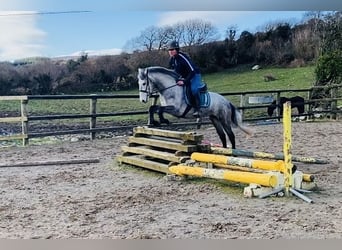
(182, 64)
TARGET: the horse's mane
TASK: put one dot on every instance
(159, 69)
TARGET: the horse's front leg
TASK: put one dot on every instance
(151, 121)
(162, 110)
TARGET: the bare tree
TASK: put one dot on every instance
(163, 37)
(198, 32)
(152, 38)
(187, 33)
(231, 32)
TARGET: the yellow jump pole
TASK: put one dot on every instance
(287, 146)
(256, 154)
(308, 177)
(267, 180)
(251, 163)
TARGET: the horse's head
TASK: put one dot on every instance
(144, 85)
(155, 79)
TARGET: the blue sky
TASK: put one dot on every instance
(110, 24)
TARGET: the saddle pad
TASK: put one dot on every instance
(204, 98)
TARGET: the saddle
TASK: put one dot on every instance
(204, 96)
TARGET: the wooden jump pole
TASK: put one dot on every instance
(264, 155)
(49, 162)
(288, 178)
(268, 180)
(287, 146)
(306, 177)
(251, 163)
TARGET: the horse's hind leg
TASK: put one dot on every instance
(219, 129)
(228, 128)
(231, 135)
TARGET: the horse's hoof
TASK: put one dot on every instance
(199, 122)
(165, 121)
(155, 123)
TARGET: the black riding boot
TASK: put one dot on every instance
(197, 104)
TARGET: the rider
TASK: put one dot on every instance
(190, 74)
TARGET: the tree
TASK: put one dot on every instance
(329, 64)
(189, 33)
(244, 47)
(9, 78)
(329, 68)
(151, 38)
(231, 52)
(42, 84)
(198, 32)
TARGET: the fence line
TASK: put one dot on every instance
(25, 118)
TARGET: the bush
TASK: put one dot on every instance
(329, 68)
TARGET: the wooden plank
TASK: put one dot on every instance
(45, 163)
(140, 162)
(13, 119)
(154, 153)
(12, 137)
(163, 144)
(186, 136)
(264, 155)
(9, 98)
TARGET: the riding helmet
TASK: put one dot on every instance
(173, 45)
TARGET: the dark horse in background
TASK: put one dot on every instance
(221, 112)
(296, 102)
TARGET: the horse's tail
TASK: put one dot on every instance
(237, 121)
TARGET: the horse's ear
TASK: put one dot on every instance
(141, 72)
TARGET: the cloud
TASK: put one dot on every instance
(102, 52)
(215, 17)
(242, 20)
(20, 36)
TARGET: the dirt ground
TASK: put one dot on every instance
(106, 200)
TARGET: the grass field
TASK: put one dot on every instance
(235, 80)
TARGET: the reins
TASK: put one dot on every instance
(160, 90)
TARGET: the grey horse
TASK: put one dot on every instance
(221, 112)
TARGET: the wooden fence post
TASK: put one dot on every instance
(24, 122)
(278, 106)
(333, 103)
(92, 125)
(242, 104)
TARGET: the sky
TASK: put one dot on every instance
(51, 28)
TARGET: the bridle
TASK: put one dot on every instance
(147, 85)
(154, 92)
